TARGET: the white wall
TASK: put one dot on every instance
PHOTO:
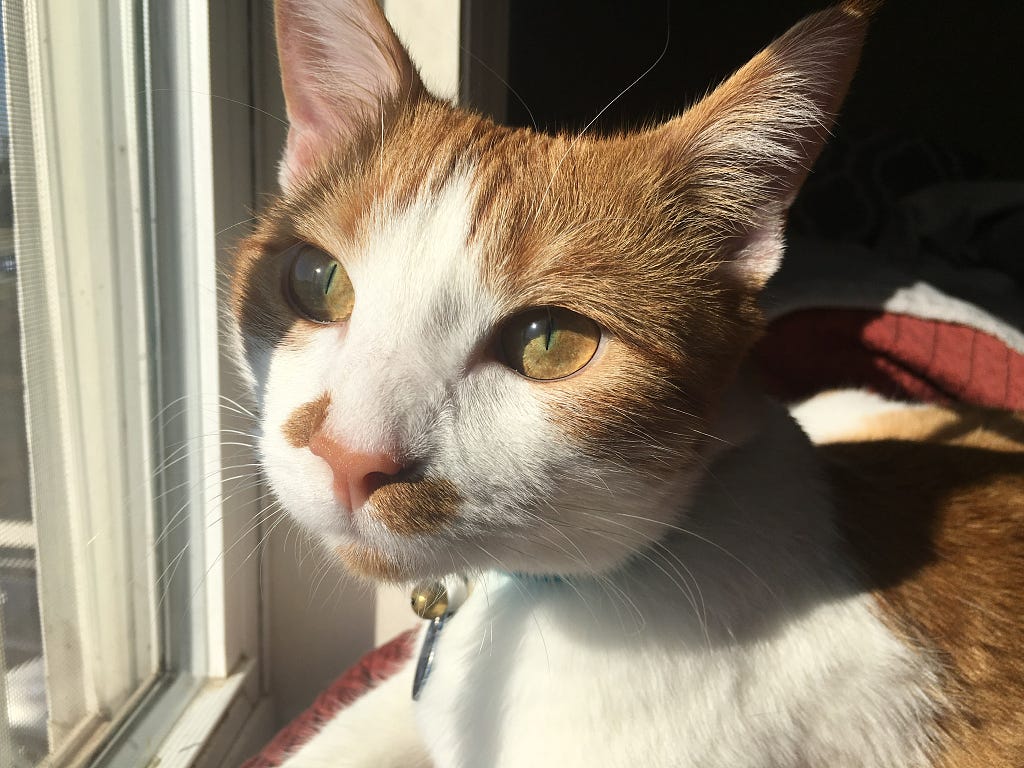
(430, 30)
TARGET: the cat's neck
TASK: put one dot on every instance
(727, 619)
(754, 542)
(757, 538)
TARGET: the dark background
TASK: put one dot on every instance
(952, 73)
(938, 98)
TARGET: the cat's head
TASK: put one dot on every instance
(480, 347)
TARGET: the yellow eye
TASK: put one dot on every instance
(549, 342)
(319, 286)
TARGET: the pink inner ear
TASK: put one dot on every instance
(759, 255)
(299, 154)
(341, 64)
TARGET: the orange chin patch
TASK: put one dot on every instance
(305, 420)
(417, 508)
(371, 563)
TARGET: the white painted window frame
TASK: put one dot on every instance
(90, 204)
(211, 711)
(149, 184)
(85, 377)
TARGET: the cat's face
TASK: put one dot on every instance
(476, 347)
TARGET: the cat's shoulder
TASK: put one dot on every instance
(931, 503)
(960, 466)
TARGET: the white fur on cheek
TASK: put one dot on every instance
(302, 481)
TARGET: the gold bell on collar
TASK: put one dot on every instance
(435, 601)
(429, 599)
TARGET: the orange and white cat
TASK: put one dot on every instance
(518, 358)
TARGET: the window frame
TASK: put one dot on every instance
(125, 198)
(214, 709)
(96, 649)
(159, 213)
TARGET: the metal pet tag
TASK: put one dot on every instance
(426, 659)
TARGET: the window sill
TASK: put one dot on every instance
(214, 721)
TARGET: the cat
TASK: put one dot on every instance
(515, 359)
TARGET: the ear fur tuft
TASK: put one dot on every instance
(862, 8)
(742, 152)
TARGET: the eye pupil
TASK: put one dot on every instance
(330, 279)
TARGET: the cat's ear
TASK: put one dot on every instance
(740, 155)
(343, 71)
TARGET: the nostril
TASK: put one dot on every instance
(362, 485)
(384, 465)
(376, 480)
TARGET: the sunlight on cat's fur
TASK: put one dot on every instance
(518, 357)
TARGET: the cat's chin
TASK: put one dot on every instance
(371, 563)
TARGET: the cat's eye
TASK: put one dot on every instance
(318, 286)
(549, 342)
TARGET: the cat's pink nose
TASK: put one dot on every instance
(356, 474)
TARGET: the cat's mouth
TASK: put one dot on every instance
(409, 511)
(414, 508)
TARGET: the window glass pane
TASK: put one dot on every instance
(23, 737)
(14, 501)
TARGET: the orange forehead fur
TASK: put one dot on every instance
(606, 214)
(594, 225)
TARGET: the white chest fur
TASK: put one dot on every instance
(744, 642)
(740, 641)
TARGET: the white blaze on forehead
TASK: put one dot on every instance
(421, 308)
(409, 373)
(421, 312)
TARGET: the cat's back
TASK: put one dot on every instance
(931, 502)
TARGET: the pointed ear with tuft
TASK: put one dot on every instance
(738, 157)
(343, 71)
